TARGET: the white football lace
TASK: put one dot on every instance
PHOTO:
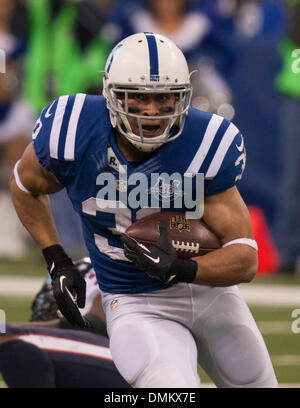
(186, 246)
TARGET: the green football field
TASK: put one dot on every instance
(278, 326)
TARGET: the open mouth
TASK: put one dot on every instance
(151, 130)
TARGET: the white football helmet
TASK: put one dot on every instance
(146, 63)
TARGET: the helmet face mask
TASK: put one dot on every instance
(128, 72)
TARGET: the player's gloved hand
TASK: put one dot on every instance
(69, 286)
(159, 261)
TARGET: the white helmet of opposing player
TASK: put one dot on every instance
(146, 63)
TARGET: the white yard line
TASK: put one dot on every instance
(259, 295)
(271, 295)
(276, 327)
(291, 385)
(19, 286)
(286, 360)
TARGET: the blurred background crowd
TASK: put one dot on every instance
(247, 57)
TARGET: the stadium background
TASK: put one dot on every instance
(240, 48)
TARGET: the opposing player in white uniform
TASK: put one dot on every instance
(123, 156)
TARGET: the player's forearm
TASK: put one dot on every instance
(227, 266)
(35, 214)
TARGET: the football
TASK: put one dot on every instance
(190, 237)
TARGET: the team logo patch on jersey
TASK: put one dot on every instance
(180, 223)
(114, 304)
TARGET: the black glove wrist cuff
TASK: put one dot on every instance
(185, 270)
(56, 254)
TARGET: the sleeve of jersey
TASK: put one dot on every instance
(57, 136)
(228, 163)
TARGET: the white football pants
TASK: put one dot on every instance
(157, 338)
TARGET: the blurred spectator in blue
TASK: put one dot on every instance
(250, 19)
(287, 226)
(65, 54)
(190, 24)
(16, 122)
(210, 33)
(257, 26)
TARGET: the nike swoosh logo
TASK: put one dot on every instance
(155, 260)
(48, 114)
(71, 296)
(171, 278)
(52, 267)
(143, 246)
(61, 279)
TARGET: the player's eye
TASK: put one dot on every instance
(165, 97)
(133, 109)
(166, 109)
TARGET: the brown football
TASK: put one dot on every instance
(189, 237)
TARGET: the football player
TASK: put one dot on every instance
(49, 352)
(163, 313)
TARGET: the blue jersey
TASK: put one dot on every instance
(74, 139)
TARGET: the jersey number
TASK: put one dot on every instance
(122, 220)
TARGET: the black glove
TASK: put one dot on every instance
(159, 261)
(68, 285)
